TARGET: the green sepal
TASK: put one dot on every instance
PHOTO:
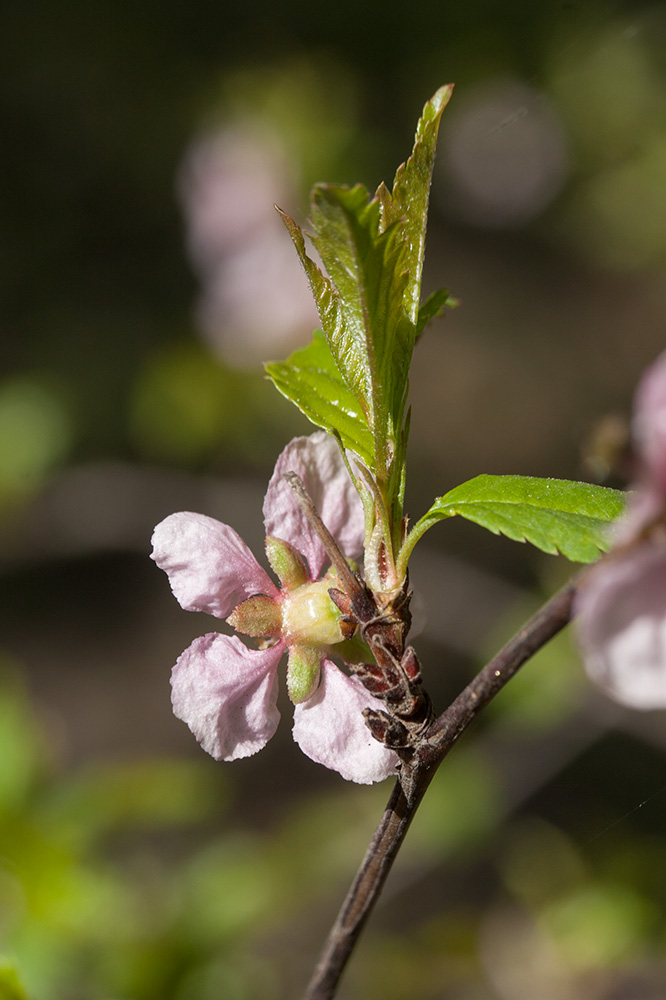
(257, 616)
(286, 562)
(302, 672)
(555, 515)
(311, 380)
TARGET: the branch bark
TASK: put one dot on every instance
(416, 774)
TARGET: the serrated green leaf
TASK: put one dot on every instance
(367, 269)
(311, 380)
(556, 515)
(411, 191)
(353, 364)
(367, 295)
(368, 300)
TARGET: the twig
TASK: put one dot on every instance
(415, 776)
(550, 619)
(367, 885)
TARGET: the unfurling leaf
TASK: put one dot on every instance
(368, 302)
(411, 191)
(353, 379)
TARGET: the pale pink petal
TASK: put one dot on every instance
(331, 730)
(622, 626)
(210, 568)
(318, 462)
(650, 421)
(644, 506)
(226, 693)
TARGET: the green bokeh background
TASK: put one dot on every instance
(132, 867)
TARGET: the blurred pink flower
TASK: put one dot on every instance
(227, 692)
(254, 302)
(622, 602)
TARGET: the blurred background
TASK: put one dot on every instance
(144, 277)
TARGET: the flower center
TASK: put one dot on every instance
(309, 617)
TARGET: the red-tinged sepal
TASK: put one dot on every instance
(257, 616)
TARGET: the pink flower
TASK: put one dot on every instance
(225, 691)
(622, 602)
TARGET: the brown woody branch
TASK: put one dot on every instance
(416, 773)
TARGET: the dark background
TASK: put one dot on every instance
(132, 867)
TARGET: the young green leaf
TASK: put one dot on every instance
(556, 515)
(368, 299)
(334, 313)
(311, 380)
(433, 307)
(408, 201)
(368, 270)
